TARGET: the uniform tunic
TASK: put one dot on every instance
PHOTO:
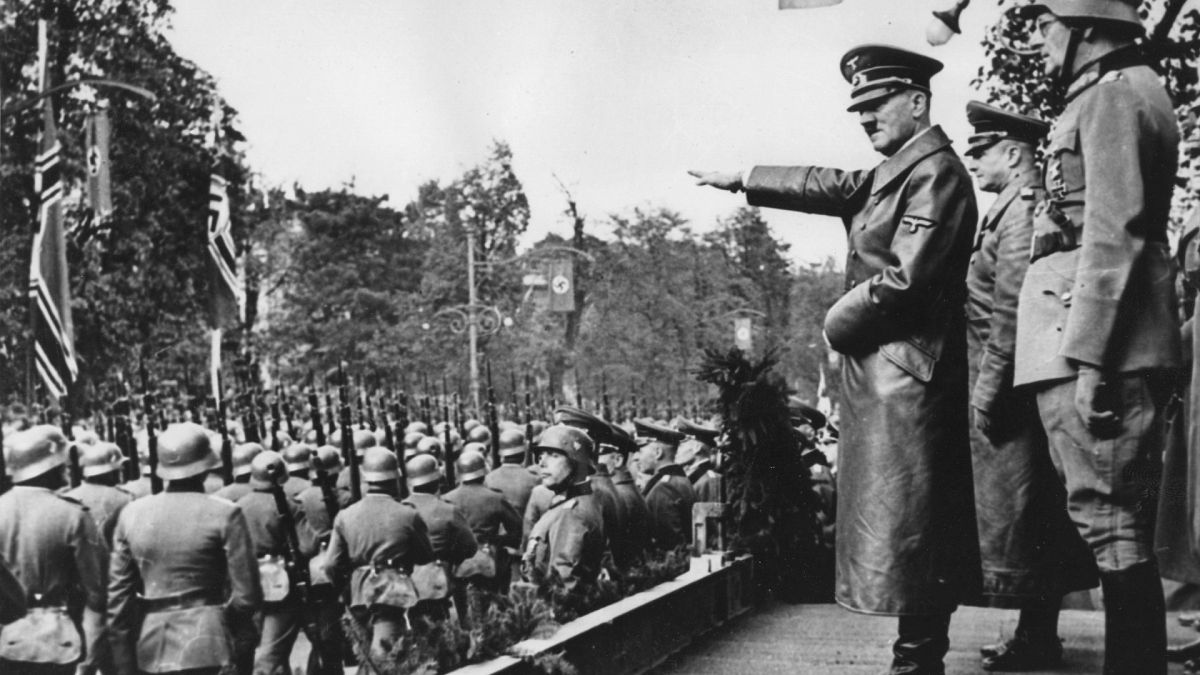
(637, 516)
(611, 509)
(568, 540)
(377, 531)
(516, 482)
(449, 532)
(491, 518)
(906, 540)
(669, 499)
(1031, 553)
(234, 491)
(104, 504)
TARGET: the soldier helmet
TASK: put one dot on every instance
(470, 465)
(1120, 11)
(475, 447)
(470, 424)
(571, 442)
(480, 434)
(512, 443)
(418, 427)
(84, 436)
(297, 456)
(310, 436)
(267, 469)
(411, 440)
(431, 446)
(422, 470)
(34, 451)
(184, 451)
(379, 464)
(99, 459)
(243, 454)
(328, 459)
(364, 439)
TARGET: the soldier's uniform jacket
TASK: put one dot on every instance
(264, 523)
(539, 502)
(449, 533)
(708, 486)
(637, 516)
(185, 560)
(295, 485)
(104, 504)
(376, 532)
(568, 540)
(906, 539)
(669, 500)
(213, 482)
(12, 595)
(491, 518)
(140, 487)
(234, 491)
(515, 482)
(1110, 170)
(611, 510)
(317, 522)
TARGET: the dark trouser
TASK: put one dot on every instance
(921, 645)
(326, 656)
(280, 626)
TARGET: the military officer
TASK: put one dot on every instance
(701, 471)
(281, 615)
(602, 485)
(375, 544)
(1030, 551)
(243, 454)
(451, 536)
(183, 582)
(906, 541)
(1097, 330)
(56, 553)
(669, 495)
(637, 516)
(100, 466)
(494, 522)
(568, 540)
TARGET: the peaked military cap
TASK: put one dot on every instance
(652, 432)
(597, 429)
(992, 125)
(698, 431)
(1123, 11)
(878, 71)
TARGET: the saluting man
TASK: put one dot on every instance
(1097, 329)
(1030, 551)
(906, 540)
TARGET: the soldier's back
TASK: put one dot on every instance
(515, 482)
(234, 491)
(104, 504)
(379, 529)
(449, 532)
(669, 502)
(487, 512)
(46, 538)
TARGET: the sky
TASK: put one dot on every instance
(616, 99)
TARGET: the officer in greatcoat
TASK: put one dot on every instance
(637, 516)
(1097, 326)
(906, 540)
(669, 494)
(1030, 551)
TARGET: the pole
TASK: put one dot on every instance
(472, 326)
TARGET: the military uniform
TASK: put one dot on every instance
(183, 584)
(539, 502)
(611, 509)
(281, 620)
(213, 482)
(493, 521)
(568, 540)
(12, 595)
(515, 482)
(669, 499)
(104, 504)
(58, 556)
(705, 481)
(637, 516)
(234, 491)
(449, 532)
(139, 487)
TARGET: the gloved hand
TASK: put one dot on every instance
(1092, 404)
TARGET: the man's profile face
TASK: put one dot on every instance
(1052, 36)
(555, 469)
(889, 122)
(989, 166)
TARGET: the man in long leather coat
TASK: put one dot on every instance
(1030, 551)
(1097, 330)
(906, 539)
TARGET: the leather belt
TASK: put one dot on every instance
(199, 597)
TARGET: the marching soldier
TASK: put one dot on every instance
(57, 555)
(183, 585)
(1097, 329)
(363, 439)
(281, 610)
(451, 536)
(906, 540)
(1030, 551)
(374, 547)
(494, 522)
(298, 457)
(100, 465)
(669, 495)
(140, 487)
(512, 478)
(243, 455)
(568, 540)
(315, 527)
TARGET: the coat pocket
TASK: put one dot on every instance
(183, 639)
(44, 635)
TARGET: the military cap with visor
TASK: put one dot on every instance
(649, 431)
(876, 72)
(699, 432)
(992, 125)
(596, 428)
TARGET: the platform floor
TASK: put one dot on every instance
(797, 639)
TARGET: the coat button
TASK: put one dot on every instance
(1066, 297)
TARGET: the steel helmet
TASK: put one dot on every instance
(432, 446)
(34, 451)
(470, 465)
(480, 434)
(243, 454)
(422, 470)
(412, 439)
(379, 464)
(297, 456)
(99, 459)
(364, 439)
(475, 447)
(571, 442)
(184, 451)
(512, 443)
(267, 469)
(1123, 11)
(417, 427)
(328, 459)
(470, 424)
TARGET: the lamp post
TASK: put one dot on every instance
(945, 24)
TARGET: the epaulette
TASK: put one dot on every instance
(72, 500)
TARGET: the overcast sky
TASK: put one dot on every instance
(617, 98)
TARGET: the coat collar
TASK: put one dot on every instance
(921, 146)
(1097, 70)
(661, 474)
(1006, 197)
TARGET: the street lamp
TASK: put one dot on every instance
(945, 24)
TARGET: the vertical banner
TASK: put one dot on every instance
(227, 294)
(99, 181)
(743, 333)
(562, 285)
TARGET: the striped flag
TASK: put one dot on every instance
(227, 297)
(49, 287)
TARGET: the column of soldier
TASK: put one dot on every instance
(175, 547)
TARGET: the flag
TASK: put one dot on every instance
(49, 286)
(99, 181)
(743, 333)
(806, 4)
(227, 297)
(562, 285)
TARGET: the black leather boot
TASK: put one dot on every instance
(1135, 621)
(921, 645)
(1034, 645)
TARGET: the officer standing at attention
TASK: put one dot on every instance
(598, 431)
(1030, 551)
(637, 516)
(906, 539)
(669, 495)
(314, 533)
(1097, 329)
(56, 553)
(183, 582)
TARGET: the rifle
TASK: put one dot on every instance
(606, 408)
(3, 468)
(398, 433)
(371, 413)
(329, 412)
(314, 409)
(226, 442)
(528, 427)
(348, 451)
(276, 442)
(389, 436)
(156, 483)
(260, 399)
(120, 411)
(402, 415)
(493, 419)
(362, 393)
(446, 437)
(298, 570)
